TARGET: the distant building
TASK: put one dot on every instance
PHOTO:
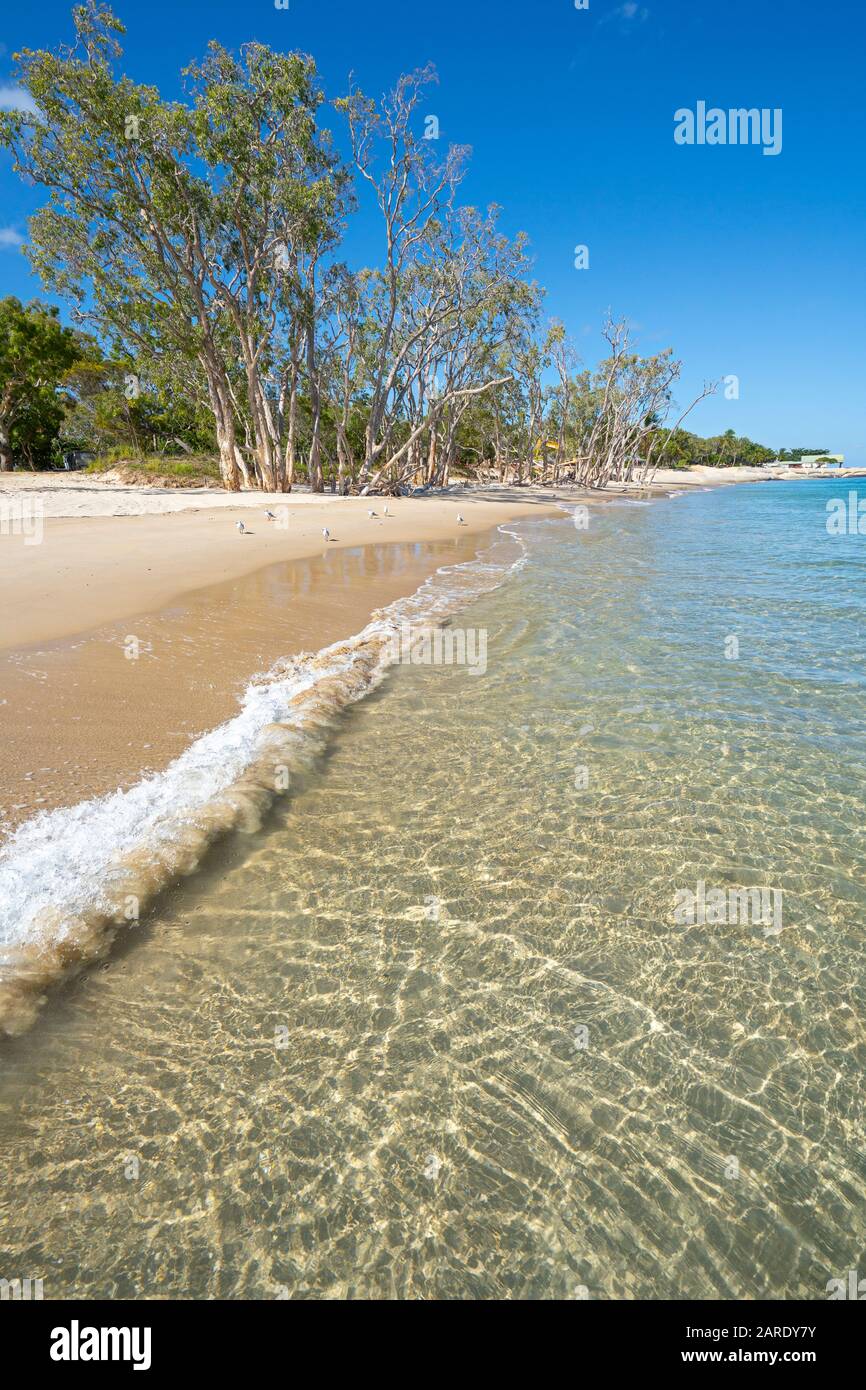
(807, 462)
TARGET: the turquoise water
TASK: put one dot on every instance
(433, 1030)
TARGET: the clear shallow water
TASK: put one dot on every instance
(347, 1060)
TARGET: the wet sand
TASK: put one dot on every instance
(89, 714)
(89, 571)
(76, 553)
(123, 636)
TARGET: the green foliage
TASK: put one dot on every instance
(794, 455)
(165, 222)
(109, 406)
(727, 450)
(35, 354)
(189, 469)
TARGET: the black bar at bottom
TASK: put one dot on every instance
(65, 1339)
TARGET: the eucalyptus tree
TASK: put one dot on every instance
(563, 359)
(531, 362)
(344, 354)
(199, 239)
(508, 411)
(633, 400)
(170, 225)
(452, 294)
(412, 189)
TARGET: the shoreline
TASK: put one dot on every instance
(99, 569)
(95, 712)
(75, 556)
(122, 769)
(123, 638)
(85, 867)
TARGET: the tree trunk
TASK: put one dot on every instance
(5, 431)
(225, 430)
(345, 460)
(431, 458)
(314, 466)
(292, 432)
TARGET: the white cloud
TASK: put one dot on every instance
(9, 237)
(16, 99)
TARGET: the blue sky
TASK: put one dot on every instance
(746, 264)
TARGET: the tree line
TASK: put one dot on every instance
(198, 245)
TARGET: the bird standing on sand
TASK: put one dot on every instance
(369, 513)
(240, 526)
(271, 516)
(460, 521)
(326, 533)
(387, 513)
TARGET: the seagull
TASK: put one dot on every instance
(369, 513)
(271, 516)
(326, 533)
(460, 521)
(240, 526)
(387, 513)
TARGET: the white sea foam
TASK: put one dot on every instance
(65, 857)
(68, 876)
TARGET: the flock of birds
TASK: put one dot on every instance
(271, 516)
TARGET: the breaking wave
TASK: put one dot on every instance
(72, 878)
